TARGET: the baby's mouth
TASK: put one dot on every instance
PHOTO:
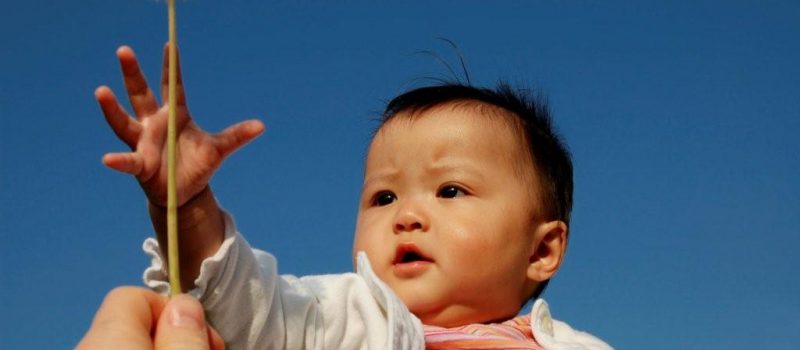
(408, 253)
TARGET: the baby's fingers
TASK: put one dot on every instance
(141, 97)
(180, 100)
(236, 136)
(127, 129)
(129, 163)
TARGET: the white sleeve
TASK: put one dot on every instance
(241, 292)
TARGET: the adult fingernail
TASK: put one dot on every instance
(185, 312)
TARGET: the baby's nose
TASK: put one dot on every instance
(410, 218)
(411, 226)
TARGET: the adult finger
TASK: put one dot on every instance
(126, 128)
(215, 340)
(180, 102)
(140, 95)
(236, 136)
(124, 321)
(182, 326)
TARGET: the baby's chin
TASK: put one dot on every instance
(429, 312)
(449, 316)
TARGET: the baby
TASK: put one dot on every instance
(463, 218)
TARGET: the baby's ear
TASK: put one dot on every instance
(547, 250)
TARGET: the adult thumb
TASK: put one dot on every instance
(182, 326)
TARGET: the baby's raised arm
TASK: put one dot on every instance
(200, 223)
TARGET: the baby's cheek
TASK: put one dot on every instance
(359, 238)
(369, 244)
(472, 241)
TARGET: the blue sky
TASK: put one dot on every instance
(682, 119)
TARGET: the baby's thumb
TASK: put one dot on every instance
(182, 326)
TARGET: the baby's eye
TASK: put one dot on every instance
(383, 198)
(451, 192)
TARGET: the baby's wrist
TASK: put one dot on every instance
(201, 230)
(194, 212)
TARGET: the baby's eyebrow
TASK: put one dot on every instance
(456, 167)
(441, 168)
(388, 175)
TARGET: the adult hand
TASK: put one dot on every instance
(138, 319)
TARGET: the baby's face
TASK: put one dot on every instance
(445, 216)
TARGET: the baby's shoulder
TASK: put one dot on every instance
(555, 334)
(330, 290)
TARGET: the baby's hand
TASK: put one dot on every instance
(199, 153)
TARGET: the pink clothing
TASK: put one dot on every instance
(515, 333)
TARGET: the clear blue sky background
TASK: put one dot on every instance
(682, 119)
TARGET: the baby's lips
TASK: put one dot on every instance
(408, 252)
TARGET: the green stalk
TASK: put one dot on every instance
(172, 193)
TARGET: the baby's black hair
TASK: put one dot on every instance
(551, 158)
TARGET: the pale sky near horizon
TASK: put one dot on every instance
(682, 118)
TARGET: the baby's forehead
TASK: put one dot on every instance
(478, 119)
(502, 139)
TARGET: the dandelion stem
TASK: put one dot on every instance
(172, 193)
